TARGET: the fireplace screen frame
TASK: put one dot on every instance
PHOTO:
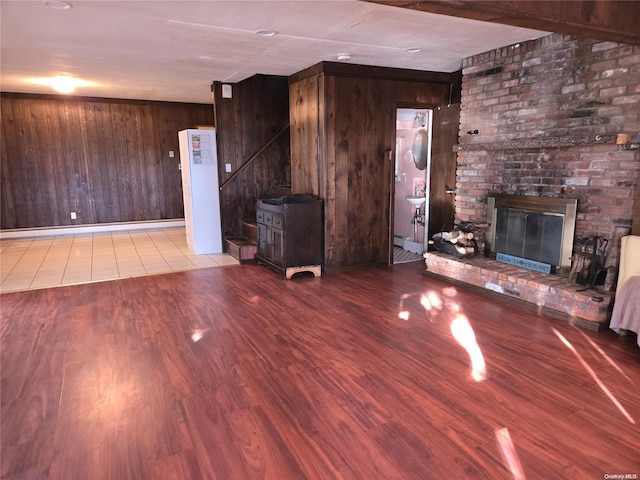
(567, 207)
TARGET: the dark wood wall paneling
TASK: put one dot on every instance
(446, 121)
(256, 112)
(304, 102)
(105, 159)
(343, 128)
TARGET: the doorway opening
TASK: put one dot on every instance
(412, 183)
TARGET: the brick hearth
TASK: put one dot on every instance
(549, 291)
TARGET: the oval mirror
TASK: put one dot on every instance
(420, 149)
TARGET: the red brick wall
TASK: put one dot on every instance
(547, 114)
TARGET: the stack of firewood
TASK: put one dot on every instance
(462, 242)
(479, 230)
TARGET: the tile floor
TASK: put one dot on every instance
(401, 255)
(30, 263)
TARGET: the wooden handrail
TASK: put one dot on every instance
(253, 157)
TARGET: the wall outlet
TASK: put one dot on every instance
(227, 167)
(171, 154)
(73, 215)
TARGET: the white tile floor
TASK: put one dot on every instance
(30, 263)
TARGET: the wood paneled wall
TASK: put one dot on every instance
(342, 133)
(446, 122)
(305, 107)
(256, 112)
(105, 159)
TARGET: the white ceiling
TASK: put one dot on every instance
(174, 50)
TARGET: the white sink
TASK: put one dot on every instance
(416, 200)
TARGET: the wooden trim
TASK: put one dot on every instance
(77, 98)
(372, 73)
(608, 20)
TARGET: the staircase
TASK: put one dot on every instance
(244, 247)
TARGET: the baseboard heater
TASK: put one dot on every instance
(398, 240)
(90, 228)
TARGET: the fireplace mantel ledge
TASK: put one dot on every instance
(538, 143)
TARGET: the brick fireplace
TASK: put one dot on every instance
(552, 293)
(542, 118)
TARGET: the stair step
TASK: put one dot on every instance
(250, 230)
(242, 249)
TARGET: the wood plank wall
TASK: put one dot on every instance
(343, 128)
(446, 122)
(256, 112)
(105, 159)
(304, 104)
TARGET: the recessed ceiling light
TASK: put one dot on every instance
(266, 33)
(344, 57)
(413, 50)
(58, 4)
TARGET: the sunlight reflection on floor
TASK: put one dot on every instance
(509, 453)
(465, 336)
(594, 375)
(461, 329)
(606, 357)
(443, 305)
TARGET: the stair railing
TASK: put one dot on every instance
(253, 157)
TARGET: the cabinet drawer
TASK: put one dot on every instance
(276, 221)
(264, 217)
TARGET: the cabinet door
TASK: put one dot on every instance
(277, 246)
(263, 240)
(274, 246)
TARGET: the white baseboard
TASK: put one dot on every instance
(94, 228)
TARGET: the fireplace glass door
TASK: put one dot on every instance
(530, 235)
(540, 229)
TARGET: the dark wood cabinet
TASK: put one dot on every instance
(290, 233)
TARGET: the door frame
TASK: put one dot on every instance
(392, 157)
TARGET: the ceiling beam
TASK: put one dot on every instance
(609, 20)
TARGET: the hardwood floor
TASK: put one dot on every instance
(234, 373)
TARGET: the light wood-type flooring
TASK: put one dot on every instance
(235, 373)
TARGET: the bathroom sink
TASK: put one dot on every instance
(416, 200)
